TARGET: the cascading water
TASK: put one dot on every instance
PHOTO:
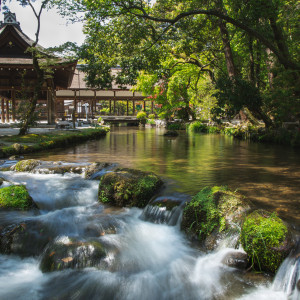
(144, 260)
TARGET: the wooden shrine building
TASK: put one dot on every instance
(65, 89)
(17, 75)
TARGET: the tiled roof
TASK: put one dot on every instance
(79, 82)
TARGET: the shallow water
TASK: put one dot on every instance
(147, 260)
(269, 175)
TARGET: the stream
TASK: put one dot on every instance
(148, 258)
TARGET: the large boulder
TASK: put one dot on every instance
(214, 214)
(67, 253)
(25, 239)
(266, 239)
(26, 165)
(128, 187)
(16, 197)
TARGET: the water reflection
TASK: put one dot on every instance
(267, 174)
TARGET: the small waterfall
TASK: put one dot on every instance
(164, 210)
(288, 276)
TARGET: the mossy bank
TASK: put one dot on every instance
(281, 136)
(15, 145)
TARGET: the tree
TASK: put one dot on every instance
(140, 35)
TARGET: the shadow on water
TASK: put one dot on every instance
(266, 174)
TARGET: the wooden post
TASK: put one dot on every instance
(152, 107)
(7, 111)
(92, 107)
(144, 106)
(133, 108)
(114, 103)
(75, 106)
(13, 104)
(110, 107)
(49, 107)
(2, 111)
(127, 113)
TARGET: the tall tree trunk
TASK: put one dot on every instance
(227, 50)
(257, 64)
(252, 62)
(29, 115)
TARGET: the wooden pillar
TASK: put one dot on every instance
(7, 111)
(127, 112)
(114, 103)
(13, 104)
(50, 106)
(92, 107)
(75, 105)
(2, 111)
(152, 107)
(110, 107)
(144, 106)
(133, 108)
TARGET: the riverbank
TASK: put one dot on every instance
(279, 136)
(12, 144)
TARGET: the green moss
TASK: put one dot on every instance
(213, 209)
(264, 238)
(37, 142)
(128, 187)
(201, 215)
(26, 165)
(15, 197)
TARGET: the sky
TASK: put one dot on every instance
(54, 29)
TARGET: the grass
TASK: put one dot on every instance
(12, 145)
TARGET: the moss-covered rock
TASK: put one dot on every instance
(26, 165)
(1, 180)
(128, 187)
(25, 239)
(266, 239)
(66, 253)
(212, 212)
(16, 197)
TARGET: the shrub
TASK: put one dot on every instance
(142, 117)
(197, 126)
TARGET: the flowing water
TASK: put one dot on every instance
(146, 258)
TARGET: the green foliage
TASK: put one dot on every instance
(262, 236)
(151, 116)
(197, 126)
(177, 62)
(176, 126)
(142, 117)
(150, 121)
(100, 120)
(15, 197)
